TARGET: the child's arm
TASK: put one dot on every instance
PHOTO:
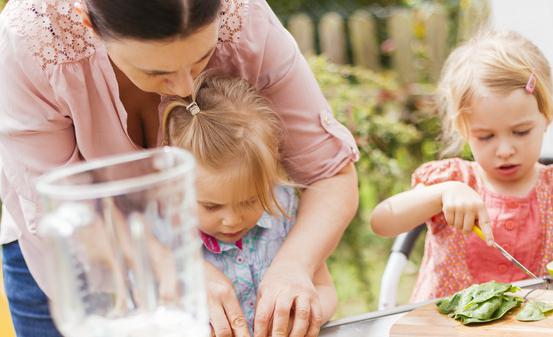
(461, 205)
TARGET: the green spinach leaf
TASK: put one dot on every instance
(480, 303)
(534, 311)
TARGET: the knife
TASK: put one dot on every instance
(508, 256)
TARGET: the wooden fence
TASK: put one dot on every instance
(417, 40)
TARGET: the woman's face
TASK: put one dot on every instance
(165, 67)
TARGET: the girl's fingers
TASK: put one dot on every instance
(219, 322)
(235, 318)
(449, 216)
(468, 222)
(484, 224)
(225, 314)
(212, 331)
(458, 220)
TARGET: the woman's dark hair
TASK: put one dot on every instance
(150, 19)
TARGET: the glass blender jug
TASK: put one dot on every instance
(125, 257)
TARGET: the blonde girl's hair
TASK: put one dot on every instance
(495, 62)
(235, 132)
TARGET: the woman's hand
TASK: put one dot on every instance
(287, 303)
(463, 208)
(225, 315)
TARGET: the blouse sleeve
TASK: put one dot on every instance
(34, 135)
(440, 171)
(315, 145)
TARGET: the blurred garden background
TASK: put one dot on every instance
(377, 62)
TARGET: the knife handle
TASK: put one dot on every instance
(478, 232)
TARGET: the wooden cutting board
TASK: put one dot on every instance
(428, 322)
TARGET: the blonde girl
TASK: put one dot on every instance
(495, 94)
(246, 206)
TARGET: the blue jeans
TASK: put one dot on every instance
(28, 304)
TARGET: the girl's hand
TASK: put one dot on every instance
(225, 315)
(463, 207)
(287, 292)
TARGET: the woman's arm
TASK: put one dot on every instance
(326, 208)
(317, 152)
(35, 136)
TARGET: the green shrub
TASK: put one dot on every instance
(396, 131)
(315, 8)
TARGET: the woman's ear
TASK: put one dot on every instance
(80, 9)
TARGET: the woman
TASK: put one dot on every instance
(82, 81)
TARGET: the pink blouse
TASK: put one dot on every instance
(59, 101)
(521, 225)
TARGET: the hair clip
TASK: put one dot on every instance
(531, 84)
(193, 108)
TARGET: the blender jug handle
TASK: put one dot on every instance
(156, 265)
(145, 287)
(56, 229)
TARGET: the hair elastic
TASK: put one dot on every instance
(193, 108)
(531, 84)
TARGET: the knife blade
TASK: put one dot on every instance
(506, 254)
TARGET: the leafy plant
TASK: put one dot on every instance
(314, 8)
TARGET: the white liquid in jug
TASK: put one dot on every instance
(161, 323)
